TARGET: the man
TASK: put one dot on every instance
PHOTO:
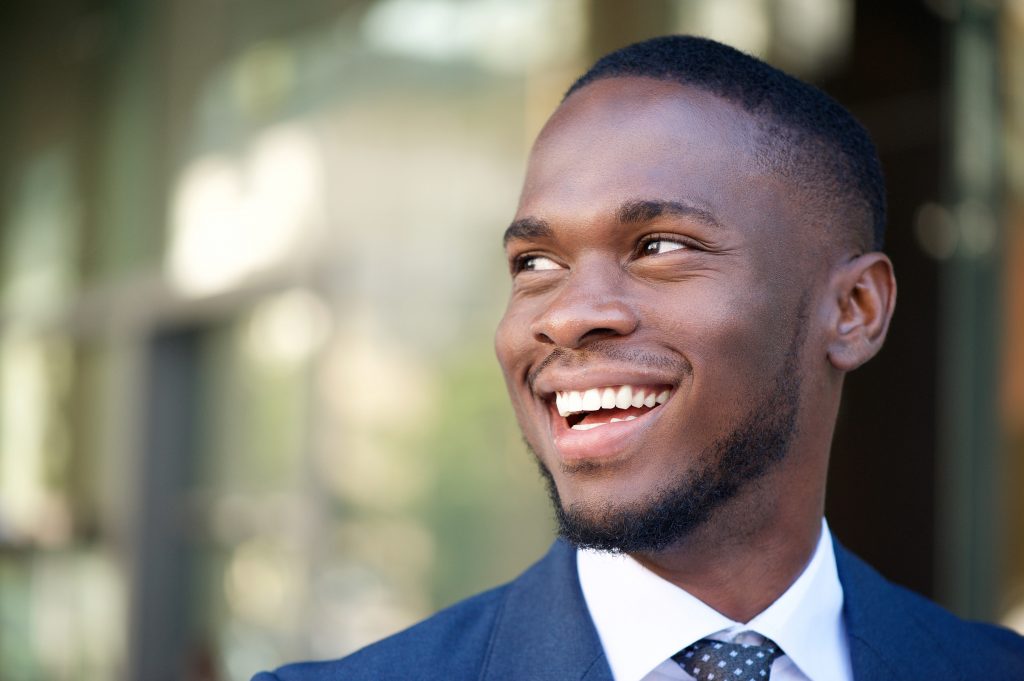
(695, 266)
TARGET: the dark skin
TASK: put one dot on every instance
(649, 248)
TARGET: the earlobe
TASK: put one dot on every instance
(863, 295)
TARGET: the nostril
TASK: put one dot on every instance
(574, 319)
(574, 338)
(542, 337)
(598, 333)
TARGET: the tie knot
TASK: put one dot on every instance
(709, 660)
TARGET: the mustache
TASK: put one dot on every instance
(609, 351)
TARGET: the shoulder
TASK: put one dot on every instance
(452, 644)
(542, 611)
(965, 638)
(890, 625)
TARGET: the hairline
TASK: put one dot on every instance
(860, 236)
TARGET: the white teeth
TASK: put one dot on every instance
(587, 426)
(631, 417)
(608, 398)
(612, 397)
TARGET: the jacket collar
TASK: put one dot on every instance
(544, 631)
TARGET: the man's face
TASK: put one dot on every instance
(652, 338)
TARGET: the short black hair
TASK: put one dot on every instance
(807, 137)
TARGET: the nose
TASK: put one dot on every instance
(588, 305)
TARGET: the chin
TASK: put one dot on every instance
(606, 512)
(607, 504)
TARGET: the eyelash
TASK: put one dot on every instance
(519, 262)
(688, 244)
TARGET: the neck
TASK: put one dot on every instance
(753, 549)
(741, 572)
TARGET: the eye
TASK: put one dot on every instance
(534, 263)
(657, 246)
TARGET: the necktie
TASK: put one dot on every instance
(708, 660)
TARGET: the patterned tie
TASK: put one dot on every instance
(708, 660)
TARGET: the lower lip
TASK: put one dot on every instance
(603, 442)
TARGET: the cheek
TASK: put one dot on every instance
(734, 337)
(743, 338)
(505, 342)
(512, 343)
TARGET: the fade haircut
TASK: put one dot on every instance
(806, 136)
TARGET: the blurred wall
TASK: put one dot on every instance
(250, 270)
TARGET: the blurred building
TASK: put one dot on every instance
(250, 268)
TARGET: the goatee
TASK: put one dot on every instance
(729, 465)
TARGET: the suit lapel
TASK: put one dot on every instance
(886, 640)
(544, 630)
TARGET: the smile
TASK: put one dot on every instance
(595, 407)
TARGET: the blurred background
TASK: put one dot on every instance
(250, 268)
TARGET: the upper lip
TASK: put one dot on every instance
(558, 380)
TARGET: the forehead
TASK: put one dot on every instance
(622, 139)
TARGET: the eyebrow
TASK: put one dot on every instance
(638, 211)
(630, 212)
(527, 228)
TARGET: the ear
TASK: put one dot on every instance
(863, 297)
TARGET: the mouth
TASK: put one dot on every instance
(596, 407)
(599, 422)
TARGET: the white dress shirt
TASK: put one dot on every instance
(642, 620)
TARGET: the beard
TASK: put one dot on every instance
(730, 464)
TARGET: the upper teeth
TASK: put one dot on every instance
(612, 397)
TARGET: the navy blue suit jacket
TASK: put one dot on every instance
(537, 628)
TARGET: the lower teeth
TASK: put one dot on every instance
(588, 426)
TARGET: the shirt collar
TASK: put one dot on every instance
(642, 619)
